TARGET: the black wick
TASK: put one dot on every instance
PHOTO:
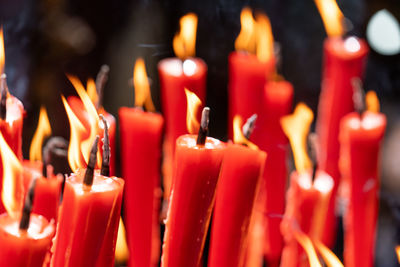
(203, 130)
(28, 205)
(105, 163)
(89, 174)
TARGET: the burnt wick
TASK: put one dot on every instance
(28, 206)
(203, 130)
(105, 163)
(89, 174)
(101, 80)
(248, 127)
(358, 96)
(312, 141)
(4, 93)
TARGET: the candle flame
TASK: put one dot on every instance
(329, 257)
(372, 101)
(398, 252)
(142, 87)
(2, 52)
(238, 137)
(332, 17)
(11, 194)
(255, 35)
(86, 145)
(184, 42)
(92, 90)
(77, 131)
(193, 105)
(43, 130)
(296, 127)
(308, 247)
(121, 249)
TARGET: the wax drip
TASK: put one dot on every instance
(4, 93)
(89, 174)
(358, 96)
(101, 80)
(312, 142)
(28, 205)
(203, 130)
(55, 153)
(248, 127)
(105, 163)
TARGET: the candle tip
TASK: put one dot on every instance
(101, 80)
(312, 141)
(105, 164)
(89, 174)
(248, 127)
(358, 95)
(4, 92)
(203, 130)
(28, 205)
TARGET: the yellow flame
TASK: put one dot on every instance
(255, 35)
(142, 87)
(86, 144)
(332, 17)
(329, 257)
(372, 101)
(238, 137)
(184, 41)
(193, 104)
(92, 91)
(296, 127)
(77, 130)
(398, 253)
(121, 250)
(2, 52)
(308, 247)
(43, 130)
(12, 169)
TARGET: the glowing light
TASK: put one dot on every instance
(329, 257)
(2, 52)
(351, 44)
(372, 101)
(142, 87)
(189, 67)
(184, 42)
(398, 253)
(193, 104)
(332, 17)
(43, 130)
(308, 247)
(92, 91)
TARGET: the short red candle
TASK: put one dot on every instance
(11, 129)
(87, 222)
(24, 248)
(141, 143)
(306, 208)
(196, 171)
(344, 60)
(359, 160)
(236, 191)
(175, 76)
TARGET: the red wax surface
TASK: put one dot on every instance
(235, 197)
(173, 80)
(11, 129)
(87, 223)
(79, 109)
(141, 143)
(196, 171)
(306, 208)
(47, 190)
(359, 161)
(24, 248)
(340, 66)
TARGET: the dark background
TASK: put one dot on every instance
(45, 39)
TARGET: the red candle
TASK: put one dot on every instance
(344, 61)
(141, 143)
(237, 188)
(175, 75)
(361, 139)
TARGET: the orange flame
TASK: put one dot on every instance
(142, 87)
(255, 35)
(12, 170)
(308, 247)
(43, 130)
(331, 16)
(398, 253)
(238, 137)
(184, 41)
(92, 91)
(77, 131)
(193, 104)
(296, 127)
(372, 101)
(329, 257)
(2, 52)
(86, 145)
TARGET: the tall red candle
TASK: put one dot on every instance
(361, 139)
(175, 75)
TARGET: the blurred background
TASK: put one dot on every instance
(45, 39)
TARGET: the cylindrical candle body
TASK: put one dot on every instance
(141, 143)
(359, 159)
(236, 192)
(11, 129)
(27, 248)
(175, 76)
(307, 206)
(84, 223)
(196, 171)
(344, 60)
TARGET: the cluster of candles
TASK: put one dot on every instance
(48, 219)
